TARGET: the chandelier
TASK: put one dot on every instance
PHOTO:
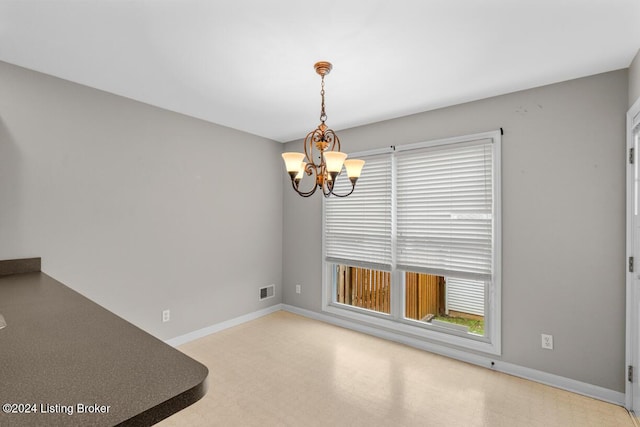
(322, 158)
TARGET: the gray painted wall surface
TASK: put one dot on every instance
(634, 79)
(138, 208)
(563, 219)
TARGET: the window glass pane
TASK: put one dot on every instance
(363, 287)
(458, 304)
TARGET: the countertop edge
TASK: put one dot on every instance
(169, 407)
(19, 266)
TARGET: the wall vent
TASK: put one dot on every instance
(267, 292)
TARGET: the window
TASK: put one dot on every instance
(416, 247)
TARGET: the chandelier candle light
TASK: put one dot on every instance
(321, 144)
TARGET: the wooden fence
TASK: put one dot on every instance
(424, 296)
(370, 289)
(364, 288)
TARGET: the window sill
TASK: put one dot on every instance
(412, 329)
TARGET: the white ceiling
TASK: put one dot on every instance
(248, 64)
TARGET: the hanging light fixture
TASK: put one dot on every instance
(322, 158)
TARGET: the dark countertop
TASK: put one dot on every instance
(60, 348)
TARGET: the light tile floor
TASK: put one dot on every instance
(287, 370)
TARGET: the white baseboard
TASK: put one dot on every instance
(586, 389)
(553, 380)
(183, 339)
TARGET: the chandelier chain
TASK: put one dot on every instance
(323, 115)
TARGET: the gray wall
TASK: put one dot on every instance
(138, 208)
(634, 79)
(563, 220)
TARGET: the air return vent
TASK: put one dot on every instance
(267, 292)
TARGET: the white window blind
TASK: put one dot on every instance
(358, 227)
(444, 210)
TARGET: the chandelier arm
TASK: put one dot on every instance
(327, 188)
(332, 193)
(303, 194)
(308, 147)
(333, 142)
(310, 170)
(315, 140)
(353, 187)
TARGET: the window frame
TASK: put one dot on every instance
(395, 322)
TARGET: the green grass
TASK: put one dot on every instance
(475, 326)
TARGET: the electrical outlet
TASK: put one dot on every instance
(547, 341)
(298, 289)
(166, 316)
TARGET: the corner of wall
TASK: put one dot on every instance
(634, 79)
